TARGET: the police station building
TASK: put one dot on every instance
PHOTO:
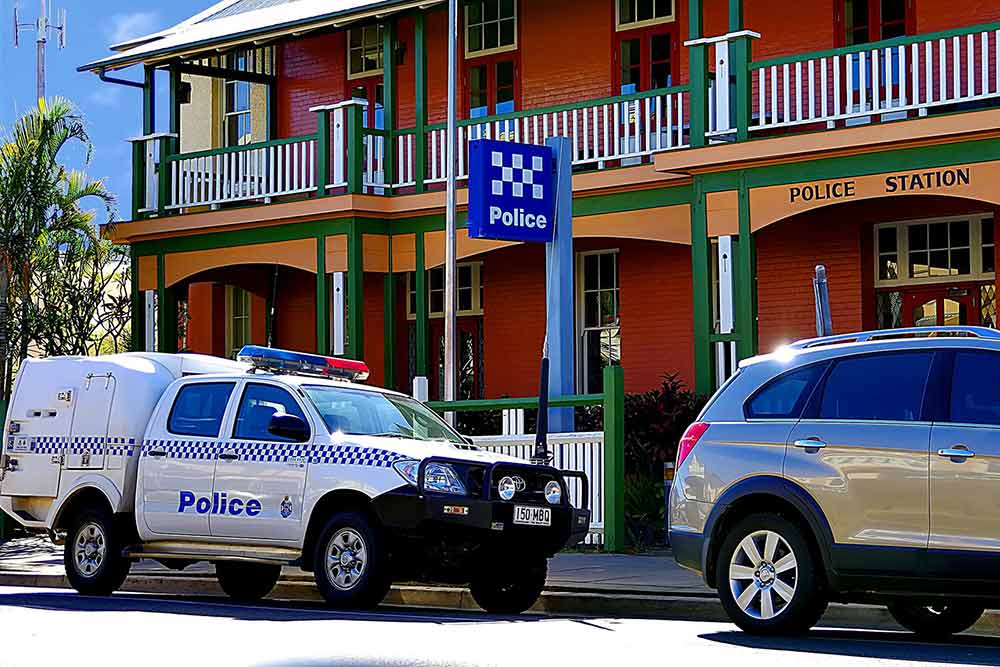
(293, 193)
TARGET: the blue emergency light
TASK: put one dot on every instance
(301, 363)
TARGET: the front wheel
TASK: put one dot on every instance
(247, 582)
(509, 588)
(93, 554)
(351, 565)
(936, 621)
(767, 577)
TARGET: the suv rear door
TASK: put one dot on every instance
(862, 452)
(965, 467)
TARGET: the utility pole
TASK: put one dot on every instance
(450, 371)
(41, 26)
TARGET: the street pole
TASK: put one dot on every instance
(40, 47)
(450, 375)
(41, 26)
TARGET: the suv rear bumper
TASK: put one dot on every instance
(688, 549)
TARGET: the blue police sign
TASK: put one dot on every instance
(511, 191)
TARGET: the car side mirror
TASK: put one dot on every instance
(292, 427)
(469, 440)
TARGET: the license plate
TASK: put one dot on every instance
(532, 516)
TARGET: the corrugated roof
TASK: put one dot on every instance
(278, 17)
(244, 6)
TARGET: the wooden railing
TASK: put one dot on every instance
(914, 73)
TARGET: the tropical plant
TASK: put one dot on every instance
(41, 202)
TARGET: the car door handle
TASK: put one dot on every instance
(158, 453)
(957, 452)
(810, 443)
(229, 456)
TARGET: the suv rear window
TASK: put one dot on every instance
(199, 408)
(877, 387)
(785, 396)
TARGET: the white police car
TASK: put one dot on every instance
(274, 460)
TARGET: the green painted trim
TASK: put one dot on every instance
(149, 100)
(138, 303)
(420, 98)
(354, 136)
(138, 177)
(631, 201)
(244, 148)
(883, 44)
(701, 284)
(614, 459)
(389, 87)
(516, 115)
(516, 403)
(166, 311)
(355, 292)
(323, 149)
(745, 266)
(272, 111)
(322, 299)
(735, 15)
(226, 73)
(423, 318)
(253, 236)
(696, 19)
(163, 175)
(739, 60)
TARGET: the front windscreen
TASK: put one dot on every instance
(359, 412)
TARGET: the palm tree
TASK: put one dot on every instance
(39, 197)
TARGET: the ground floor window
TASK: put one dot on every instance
(598, 317)
(237, 319)
(468, 291)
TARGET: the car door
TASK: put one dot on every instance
(862, 452)
(260, 477)
(178, 460)
(88, 446)
(965, 469)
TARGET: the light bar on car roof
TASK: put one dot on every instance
(301, 363)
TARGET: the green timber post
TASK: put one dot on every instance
(389, 319)
(169, 145)
(698, 74)
(746, 277)
(322, 299)
(420, 99)
(420, 285)
(614, 458)
(149, 100)
(355, 140)
(355, 347)
(166, 310)
(138, 342)
(739, 69)
(323, 151)
(138, 176)
(389, 77)
(700, 287)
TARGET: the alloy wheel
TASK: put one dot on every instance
(763, 574)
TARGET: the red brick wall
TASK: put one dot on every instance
(311, 71)
(374, 327)
(295, 319)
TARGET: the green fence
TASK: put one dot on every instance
(613, 402)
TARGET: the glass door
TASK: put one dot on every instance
(945, 306)
(470, 359)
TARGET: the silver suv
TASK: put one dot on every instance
(855, 468)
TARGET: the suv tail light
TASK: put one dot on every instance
(690, 438)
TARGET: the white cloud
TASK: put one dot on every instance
(105, 95)
(123, 27)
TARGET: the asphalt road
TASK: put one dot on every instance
(57, 627)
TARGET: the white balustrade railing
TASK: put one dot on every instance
(256, 171)
(882, 79)
(582, 452)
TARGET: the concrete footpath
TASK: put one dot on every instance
(591, 584)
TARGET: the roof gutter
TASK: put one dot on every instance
(102, 73)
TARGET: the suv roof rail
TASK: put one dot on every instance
(891, 334)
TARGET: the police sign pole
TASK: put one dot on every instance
(513, 194)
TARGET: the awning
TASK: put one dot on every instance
(234, 22)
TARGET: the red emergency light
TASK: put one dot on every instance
(301, 363)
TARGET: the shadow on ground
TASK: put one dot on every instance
(961, 650)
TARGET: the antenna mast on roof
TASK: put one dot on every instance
(41, 26)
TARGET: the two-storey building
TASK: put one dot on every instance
(721, 151)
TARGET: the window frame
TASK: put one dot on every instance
(580, 307)
(239, 404)
(645, 35)
(623, 27)
(482, 53)
(874, 21)
(490, 62)
(806, 400)
(364, 74)
(225, 412)
(231, 294)
(477, 292)
(976, 273)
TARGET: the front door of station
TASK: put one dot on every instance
(946, 305)
(469, 353)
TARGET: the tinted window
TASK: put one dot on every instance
(199, 408)
(785, 396)
(975, 394)
(883, 387)
(260, 403)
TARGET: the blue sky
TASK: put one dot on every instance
(113, 112)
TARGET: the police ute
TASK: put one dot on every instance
(276, 459)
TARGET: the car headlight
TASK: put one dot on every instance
(438, 477)
(553, 492)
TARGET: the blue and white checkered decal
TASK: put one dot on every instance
(95, 445)
(275, 452)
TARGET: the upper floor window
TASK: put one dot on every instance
(631, 14)
(469, 291)
(238, 111)
(867, 21)
(490, 27)
(364, 51)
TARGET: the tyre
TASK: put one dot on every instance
(509, 587)
(93, 554)
(937, 621)
(247, 582)
(350, 563)
(767, 577)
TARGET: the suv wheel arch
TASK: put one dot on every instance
(341, 500)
